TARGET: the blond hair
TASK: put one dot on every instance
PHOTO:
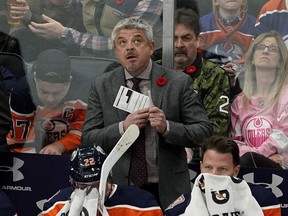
(250, 84)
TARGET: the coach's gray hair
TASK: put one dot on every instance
(132, 23)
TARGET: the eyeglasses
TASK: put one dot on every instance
(271, 48)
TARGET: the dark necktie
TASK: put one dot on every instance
(138, 168)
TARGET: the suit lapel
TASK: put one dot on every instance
(117, 80)
(157, 91)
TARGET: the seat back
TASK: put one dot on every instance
(14, 63)
(84, 71)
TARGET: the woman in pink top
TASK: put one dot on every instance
(259, 114)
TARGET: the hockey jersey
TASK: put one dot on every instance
(259, 128)
(222, 44)
(45, 126)
(273, 16)
(35, 126)
(265, 198)
(123, 200)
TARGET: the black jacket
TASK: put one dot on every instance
(5, 115)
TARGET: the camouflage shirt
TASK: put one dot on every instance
(213, 87)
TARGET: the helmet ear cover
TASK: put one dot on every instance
(86, 164)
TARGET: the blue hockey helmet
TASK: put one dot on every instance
(86, 164)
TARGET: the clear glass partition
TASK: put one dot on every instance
(82, 29)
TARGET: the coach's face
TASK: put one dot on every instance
(133, 50)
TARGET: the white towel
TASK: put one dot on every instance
(86, 200)
(214, 195)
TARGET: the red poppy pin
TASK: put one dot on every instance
(161, 81)
(191, 69)
(119, 1)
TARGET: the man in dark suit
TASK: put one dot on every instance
(175, 120)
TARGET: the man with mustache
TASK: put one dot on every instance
(211, 82)
(175, 119)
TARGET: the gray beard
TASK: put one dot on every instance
(182, 62)
(132, 68)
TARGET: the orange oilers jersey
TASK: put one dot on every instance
(21, 136)
(45, 126)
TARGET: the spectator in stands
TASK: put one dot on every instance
(191, 4)
(225, 35)
(221, 158)
(273, 16)
(85, 174)
(176, 120)
(50, 119)
(259, 114)
(209, 80)
(99, 20)
(68, 13)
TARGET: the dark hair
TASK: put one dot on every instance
(222, 145)
(188, 18)
(191, 4)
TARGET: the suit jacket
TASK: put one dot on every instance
(187, 119)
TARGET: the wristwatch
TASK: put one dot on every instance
(66, 30)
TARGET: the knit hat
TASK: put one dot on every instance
(53, 66)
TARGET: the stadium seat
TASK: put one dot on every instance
(14, 63)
